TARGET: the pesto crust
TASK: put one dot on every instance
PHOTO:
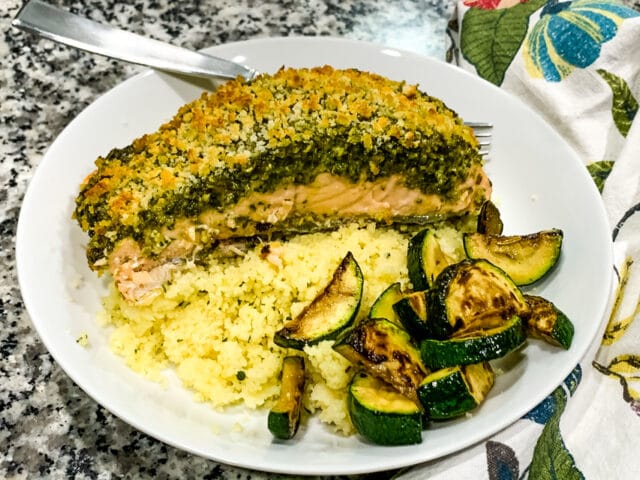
(273, 131)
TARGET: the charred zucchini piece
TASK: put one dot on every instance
(330, 312)
(546, 322)
(453, 391)
(425, 259)
(412, 310)
(383, 305)
(475, 347)
(525, 258)
(284, 417)
(472, 294)
(381, 414)
(386, 351)
(489, 220)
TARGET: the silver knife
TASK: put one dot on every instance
(61, 26)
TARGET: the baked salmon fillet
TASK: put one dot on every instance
(297, 151)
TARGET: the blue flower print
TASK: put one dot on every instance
(570, 35)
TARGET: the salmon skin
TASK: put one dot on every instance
(296, 151)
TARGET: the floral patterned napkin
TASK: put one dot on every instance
(578, 64)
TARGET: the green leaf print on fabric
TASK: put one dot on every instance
(551, 459)
(625, 106)
(490, 39)
(600, 171)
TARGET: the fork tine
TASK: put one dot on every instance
(483, 132)
(479, 124)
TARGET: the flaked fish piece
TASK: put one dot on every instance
(297, 151)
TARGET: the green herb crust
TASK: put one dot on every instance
(274, 131)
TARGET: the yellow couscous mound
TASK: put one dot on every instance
(215, 324)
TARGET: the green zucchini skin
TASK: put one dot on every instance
(382, 415)
(441, 326)
(425, 259)
(468, 293)
(547, 322)
(386, 351)
(453, 391)
(489, 220)
(415, 261)
(475, 347)
(331, 312)
(412, 310)
(383, 305)
(525, 258)
(284, 418)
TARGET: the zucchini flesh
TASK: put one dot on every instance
(489, 220)
(284, 417)
(412, 312)
(330, 312)
(386, 351)
(425, 259)
(472, 294)
(381, 414)
(475, 347)
(453, 391)
(525, 258)
(546, 322)
(383, 305)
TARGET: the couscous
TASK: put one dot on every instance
(214, 324)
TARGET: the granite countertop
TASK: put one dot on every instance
(49, 427)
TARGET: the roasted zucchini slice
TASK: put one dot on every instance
(453, 391)
(525, 258)
(546, 322)
(381, 414)
(474, 347)
(284, 417)
(330, 312)
(489, 220)
(383, 305)
(386, 351)
(412, 310)
(425, 259)
(472, 294)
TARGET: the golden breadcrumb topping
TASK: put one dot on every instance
(273, 131)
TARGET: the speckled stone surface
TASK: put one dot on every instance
(49, 428)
